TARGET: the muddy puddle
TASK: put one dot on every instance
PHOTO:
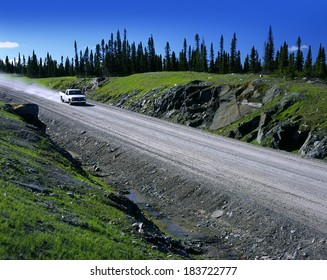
(169, 226)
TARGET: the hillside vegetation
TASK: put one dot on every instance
(114, 87)
(51, 208)
(286, 108)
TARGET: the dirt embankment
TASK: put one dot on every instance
(220, 224)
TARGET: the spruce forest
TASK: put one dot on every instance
(118, 57)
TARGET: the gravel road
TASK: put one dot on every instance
(287, 184)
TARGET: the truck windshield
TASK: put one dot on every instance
(75, 92)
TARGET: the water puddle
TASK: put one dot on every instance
(170, 226)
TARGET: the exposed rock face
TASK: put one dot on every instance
(241, 100)
(201, 104)
(315, 146)
(288, 135)
(193, 104)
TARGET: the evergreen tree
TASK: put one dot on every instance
(151, 55)
(299, 57)
(32, 66)
(91, 64)
(320, 64)
(276, 62)
(145, 65)
(246, 66)
(233, 55)
(238, 63)
(220, 55)
(133, 58)
(197, 42)
(195, 60)
(159, 63)
(118, 56)
(46, 66)
(167, 61)
(283, 58)
(19, 65)
(2, 65)
(183, 57)
(189, 58)
(28, 66)
(87, 64)
(76, 59)
(174, 62)
(140, 65)
(24, 70)
(222, 60)
(81, 70)
(72, 71)
(109, 57)
(269, 53)
(67, 68)
(105, 61)
(212, 68)
(61, 70)
(253, 61)
(97, 61)
(308, 64)
(203, 58)
(125, 55)
(291, 65)
(9, 67)
(103, 50)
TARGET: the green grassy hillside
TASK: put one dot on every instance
(112, 88)
(50, 208)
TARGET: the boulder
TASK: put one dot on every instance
(29, 112)
(315, 146)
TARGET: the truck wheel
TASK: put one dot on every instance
(70, 102)
(62, 100)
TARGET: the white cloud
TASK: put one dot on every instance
(8, 45)
(294, 48)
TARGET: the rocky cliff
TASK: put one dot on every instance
(250, 111)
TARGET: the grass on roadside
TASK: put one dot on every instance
(74, 220)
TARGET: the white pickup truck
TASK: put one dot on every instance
(72, 96)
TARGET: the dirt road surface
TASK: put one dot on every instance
(271, 189)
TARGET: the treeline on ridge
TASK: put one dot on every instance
(118, 57)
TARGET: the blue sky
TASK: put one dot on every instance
(53, 26)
